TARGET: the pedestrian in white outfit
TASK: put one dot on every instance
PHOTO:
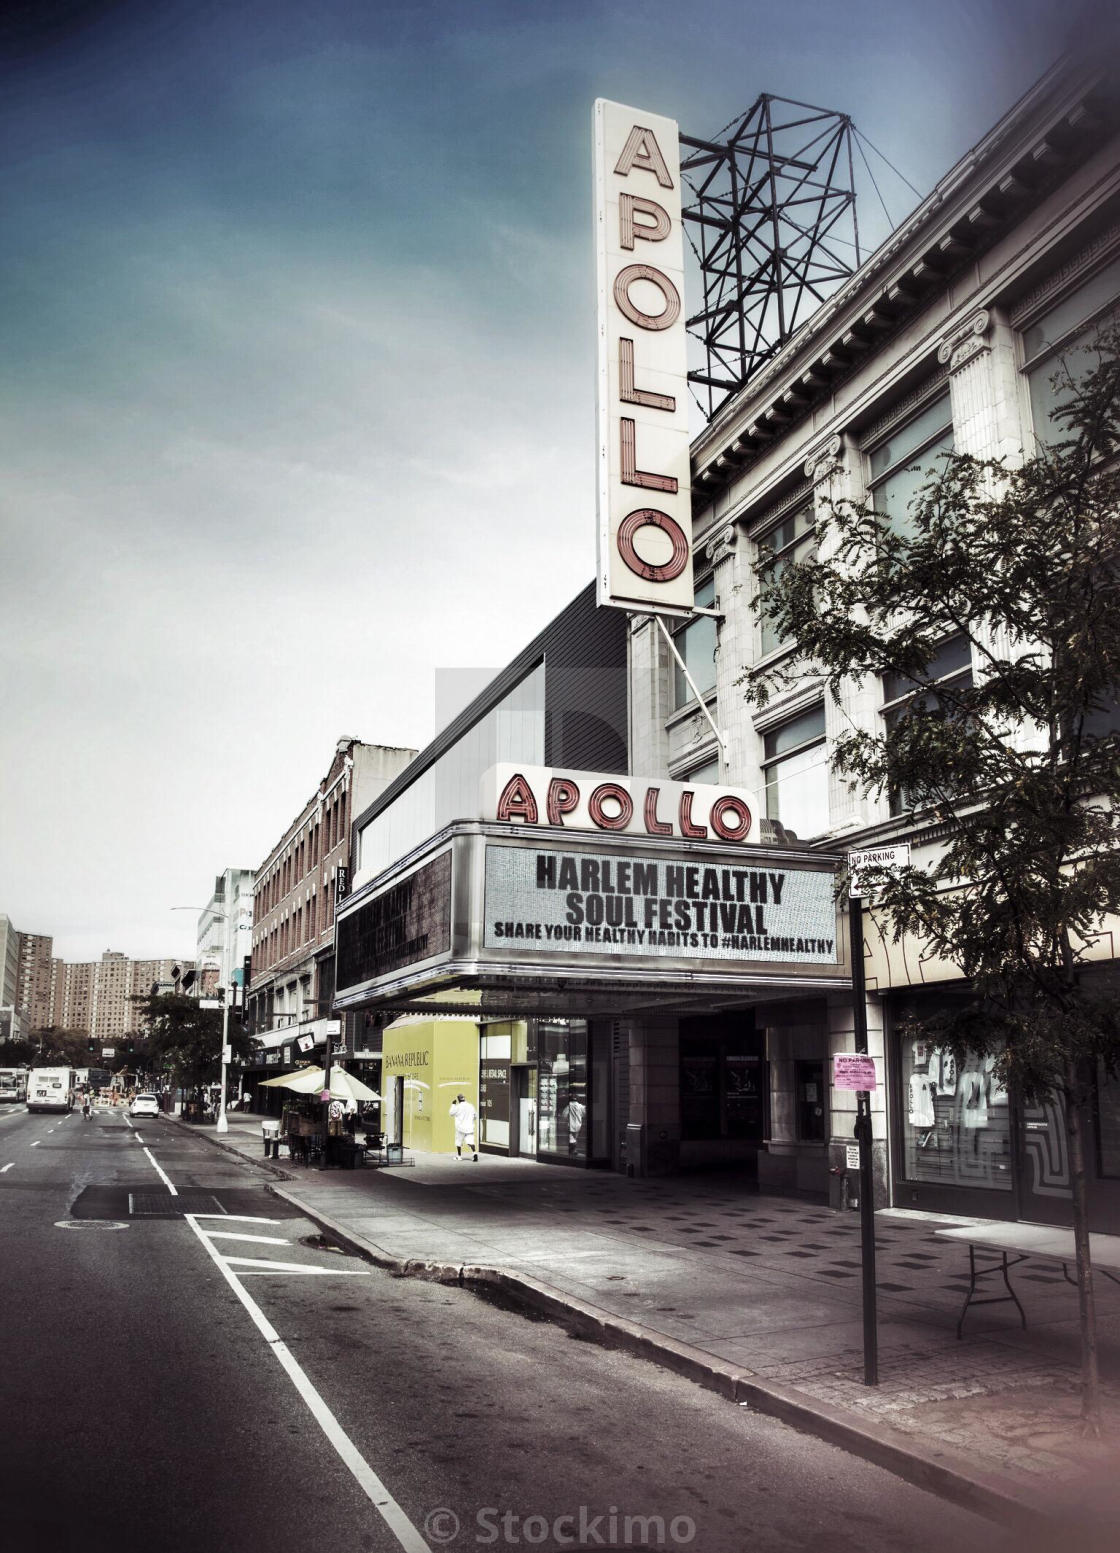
(464, 1114)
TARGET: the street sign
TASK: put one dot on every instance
(108, 1051)
(853, 1070)
(894, 859)
(209, 1002)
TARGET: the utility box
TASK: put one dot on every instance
(652, 1149)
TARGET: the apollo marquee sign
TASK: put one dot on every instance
(645, 509)
(589, 800)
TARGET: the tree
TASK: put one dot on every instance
(1017, 761)
(185, 1040)
(56, 1045)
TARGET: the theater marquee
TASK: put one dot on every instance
(645, 500)
(496, 917)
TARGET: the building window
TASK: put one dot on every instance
(903, 462)
(950, 668)
(1057, 344)
(794, 539)
(696, 642)
(795, 767)
(708, 772)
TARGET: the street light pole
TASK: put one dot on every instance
(222, 1124)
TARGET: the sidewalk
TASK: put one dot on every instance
(760, 1299)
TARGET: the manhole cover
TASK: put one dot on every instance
(89, 1224)
(161, 1205)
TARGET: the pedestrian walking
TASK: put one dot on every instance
(464, 1115)
(87, 1105)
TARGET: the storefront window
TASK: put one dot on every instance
(956, 1119)
(562, 1097)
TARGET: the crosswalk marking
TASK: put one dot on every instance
(264, 1240)
(250, 1263)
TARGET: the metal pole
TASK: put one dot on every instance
(223, 1125)
(863, 1138)
(327, 1101)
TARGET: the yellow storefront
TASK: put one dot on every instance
(425, 1064)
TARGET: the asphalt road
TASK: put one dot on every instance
(170, 1383)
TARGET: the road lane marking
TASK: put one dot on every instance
(264, 1240)
(7, 1167)
(37, 1142)
(162, 1175)
(367, 1480)
(235, 1218)
(249, 1263)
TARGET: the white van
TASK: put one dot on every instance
(50, 1089)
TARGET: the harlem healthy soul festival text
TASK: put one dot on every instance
(571, 901)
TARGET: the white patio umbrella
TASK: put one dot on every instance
(309, 1081)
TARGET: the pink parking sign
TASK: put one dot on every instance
(853, 1070)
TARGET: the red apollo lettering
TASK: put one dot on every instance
(628, 391)
(670, 295)
(563, 797)
(719, 818)
(631, 474)
(654, 826)
(517, 801)
(652, 517)
(695, 832)
(605, 821)
(641, 151)
(656, 231)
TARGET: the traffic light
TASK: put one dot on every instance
(90, 1046)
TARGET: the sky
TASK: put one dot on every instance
(297, 375)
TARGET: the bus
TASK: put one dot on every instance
(13, 1084)
(50, 1089)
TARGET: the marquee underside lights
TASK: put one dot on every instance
(645, 515)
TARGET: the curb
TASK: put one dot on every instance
(937, 1471)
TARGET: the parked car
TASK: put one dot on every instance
(144, 1105)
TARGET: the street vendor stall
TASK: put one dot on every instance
(302, 1123)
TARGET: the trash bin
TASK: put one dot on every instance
(270, 1132)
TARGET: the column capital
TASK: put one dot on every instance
(722, 545)
(825, 460)
(965, 341)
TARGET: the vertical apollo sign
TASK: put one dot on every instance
(645, 507)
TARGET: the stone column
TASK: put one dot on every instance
(654, 1093)
(984, 387)
(734, 591)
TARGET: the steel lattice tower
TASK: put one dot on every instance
(774, 219)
